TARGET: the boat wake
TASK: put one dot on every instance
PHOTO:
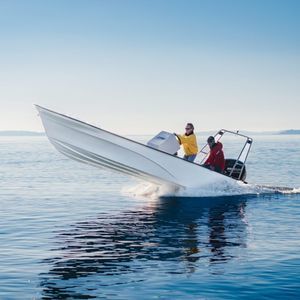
(223, 188)
(150, 191)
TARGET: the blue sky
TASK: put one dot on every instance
(145, 66)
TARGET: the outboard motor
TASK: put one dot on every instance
(239, 171)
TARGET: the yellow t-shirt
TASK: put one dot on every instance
(189, 143)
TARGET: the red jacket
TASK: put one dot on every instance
(216, 157)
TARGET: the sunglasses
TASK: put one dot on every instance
(188, 128)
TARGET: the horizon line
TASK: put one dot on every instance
(39, 133)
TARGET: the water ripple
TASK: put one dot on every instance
(181, 233)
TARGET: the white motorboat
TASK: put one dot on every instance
(100, 148)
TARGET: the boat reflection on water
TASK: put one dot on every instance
(170, 236)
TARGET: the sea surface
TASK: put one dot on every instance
(71, 231)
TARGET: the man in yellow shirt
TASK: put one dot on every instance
(189, 142)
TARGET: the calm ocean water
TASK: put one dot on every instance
(70, 231)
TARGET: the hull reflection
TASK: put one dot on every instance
(173, 236)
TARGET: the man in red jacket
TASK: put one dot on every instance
(215, 160)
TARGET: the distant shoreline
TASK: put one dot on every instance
(20, 133)
(290, 131)
(210, 132)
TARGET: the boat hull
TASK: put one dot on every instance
(100, 148)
